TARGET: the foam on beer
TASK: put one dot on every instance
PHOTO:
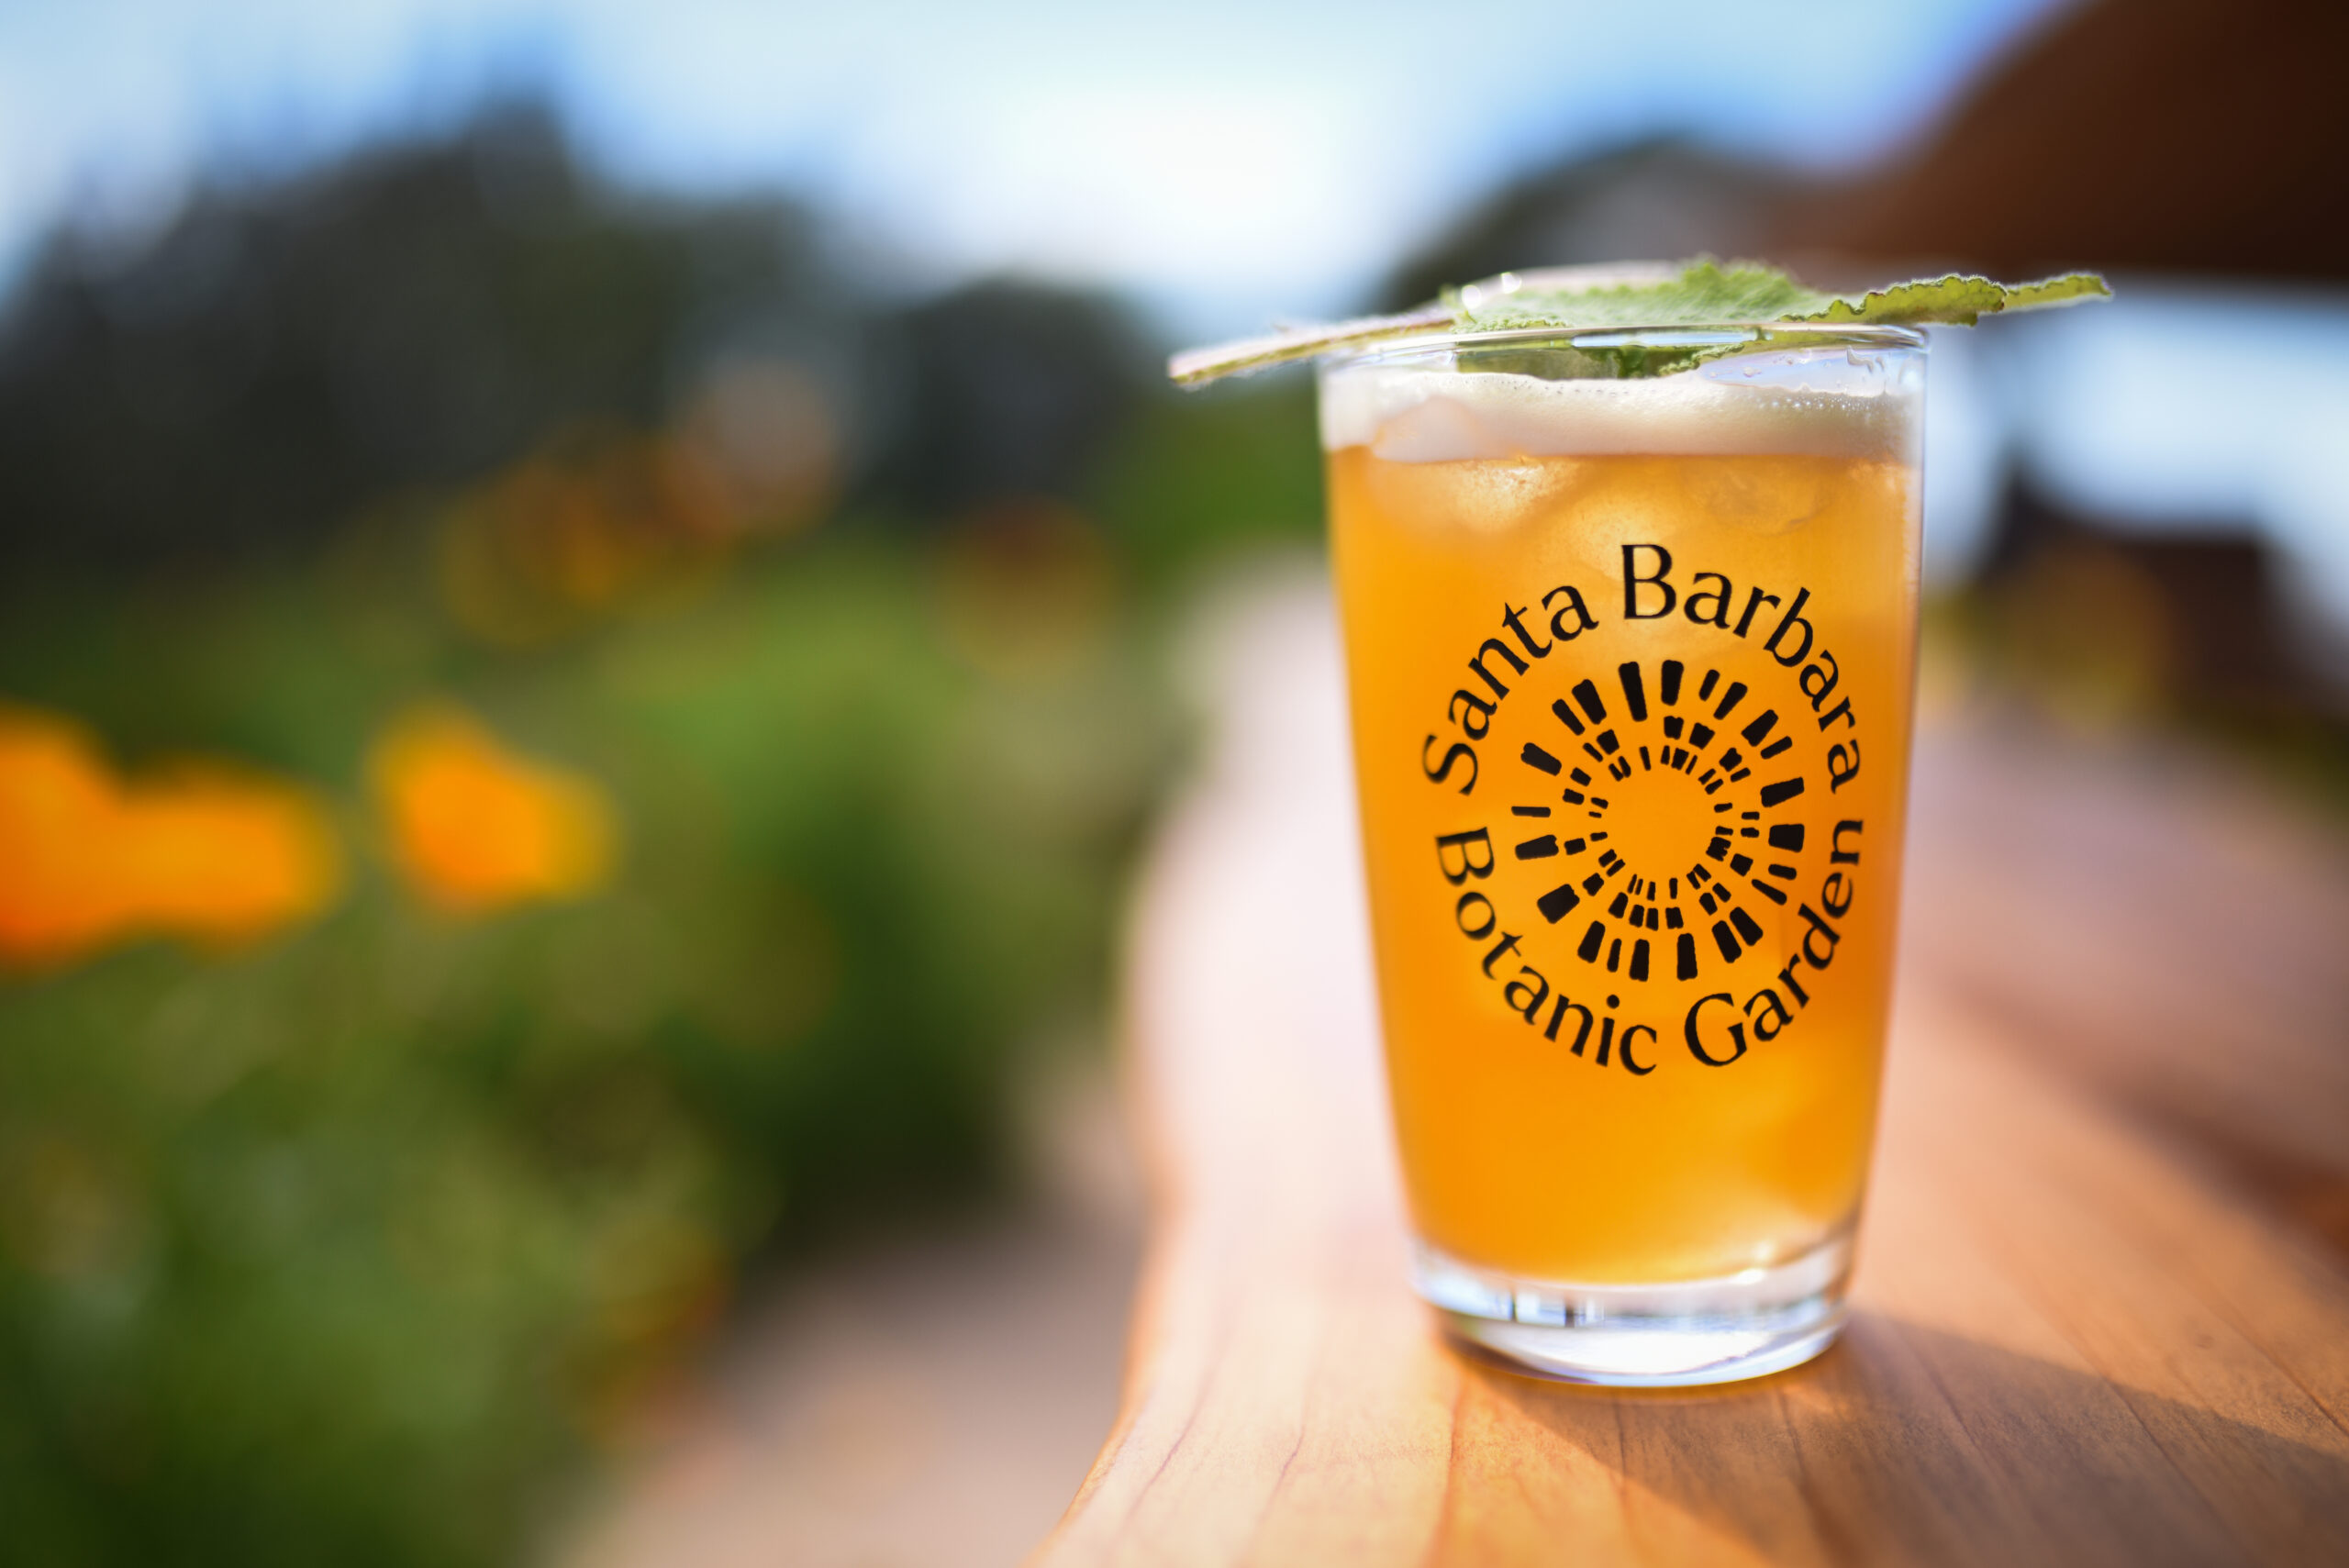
(1821, 407)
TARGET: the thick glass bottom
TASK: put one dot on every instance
(1645, 1336)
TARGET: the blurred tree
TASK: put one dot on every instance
(283, 354)
(1652, 199)
(1007, 390)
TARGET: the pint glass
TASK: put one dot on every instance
(1631, 663)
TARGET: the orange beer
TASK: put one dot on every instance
(1630, 668)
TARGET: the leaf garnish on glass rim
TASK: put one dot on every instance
(1698, 295)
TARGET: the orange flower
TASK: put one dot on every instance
(205, 852)
(475, 827)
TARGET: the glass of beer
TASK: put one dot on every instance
(1632, 660)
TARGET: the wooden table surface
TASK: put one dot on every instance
(2102, 1306)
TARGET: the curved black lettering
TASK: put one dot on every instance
(1442, 772)
(1460, 914)
(1736, 1032)
(1637, 1071)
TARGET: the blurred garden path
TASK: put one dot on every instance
(927, 1401)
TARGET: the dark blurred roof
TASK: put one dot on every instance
(2205, 136)
(2188, 136)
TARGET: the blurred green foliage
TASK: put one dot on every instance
(329, 1249)
(362, 1244)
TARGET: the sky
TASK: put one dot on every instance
(1226, 161)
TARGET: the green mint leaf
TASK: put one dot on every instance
(1957, 300)
(1699, 293)
(1702, 293)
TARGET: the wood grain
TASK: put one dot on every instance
(2102, 1309)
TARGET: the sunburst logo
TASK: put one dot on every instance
(1681, 837)
(1688, 825)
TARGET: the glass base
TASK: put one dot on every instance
(1645, 1336)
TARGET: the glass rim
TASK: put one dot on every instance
(1799, 335)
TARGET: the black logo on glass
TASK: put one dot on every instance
(1665, 821)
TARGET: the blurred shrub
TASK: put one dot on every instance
(347, 1248)
(1196, 478)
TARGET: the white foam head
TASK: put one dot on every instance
(1818, 402)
